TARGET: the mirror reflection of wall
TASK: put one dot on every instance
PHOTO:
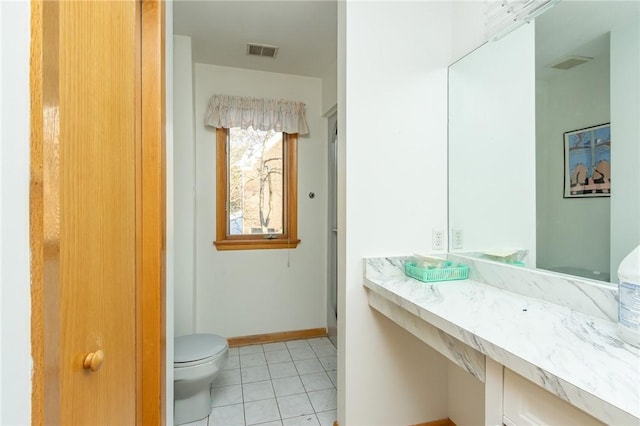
(577, 236)
(572, 234)
(491, 145)
(625, 114)
(574, 77)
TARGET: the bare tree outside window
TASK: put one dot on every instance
(255, 193)
(256, 190)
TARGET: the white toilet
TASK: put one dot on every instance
(198, 358)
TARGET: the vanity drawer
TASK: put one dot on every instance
(527, 404)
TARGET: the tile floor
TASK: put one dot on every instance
(285, 384)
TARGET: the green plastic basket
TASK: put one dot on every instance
(451, 273)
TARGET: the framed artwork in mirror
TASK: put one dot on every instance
(587, 162)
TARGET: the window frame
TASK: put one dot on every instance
(289, 238)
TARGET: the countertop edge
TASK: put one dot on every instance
(591, 404)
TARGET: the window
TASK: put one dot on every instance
(257, 189)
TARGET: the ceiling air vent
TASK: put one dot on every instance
(262, 50)
(571, 62)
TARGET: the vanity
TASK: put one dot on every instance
(544, 346)
(542, 343)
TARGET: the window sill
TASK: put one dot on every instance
(261, 244)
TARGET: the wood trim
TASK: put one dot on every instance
(255, 244)
(150, 195)
(292, 185)
(443, 422)
(44, 225)
(221, 184)
(248, 242)
(276, 337)
(36, 213)
(138, 209)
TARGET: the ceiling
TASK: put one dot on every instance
(578, 28)
(305, 32)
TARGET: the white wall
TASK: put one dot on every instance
(570, 100)
(1, 220)
(15, 369)
(185, 185)
(468, 27)
(492, 144)
(392, 106)
(341, 197)
(250, 292)
(625, 151)
(466, 397)
(329, 89)
(170, 216)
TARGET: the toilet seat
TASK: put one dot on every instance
(198, 349)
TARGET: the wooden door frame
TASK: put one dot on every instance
(150, 211)
(150, 221)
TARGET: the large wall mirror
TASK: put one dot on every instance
(530, 164)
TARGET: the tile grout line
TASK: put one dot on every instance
(272, 387)
(271, 379)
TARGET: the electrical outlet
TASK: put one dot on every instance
(457, 239)
(437, 239)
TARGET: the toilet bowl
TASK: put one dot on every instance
(198, 358)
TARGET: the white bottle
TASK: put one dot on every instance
(629, 298)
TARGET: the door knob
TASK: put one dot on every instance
(93, 360)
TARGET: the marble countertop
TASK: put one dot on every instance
(576, 356)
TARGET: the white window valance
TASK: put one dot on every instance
(262, 114)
